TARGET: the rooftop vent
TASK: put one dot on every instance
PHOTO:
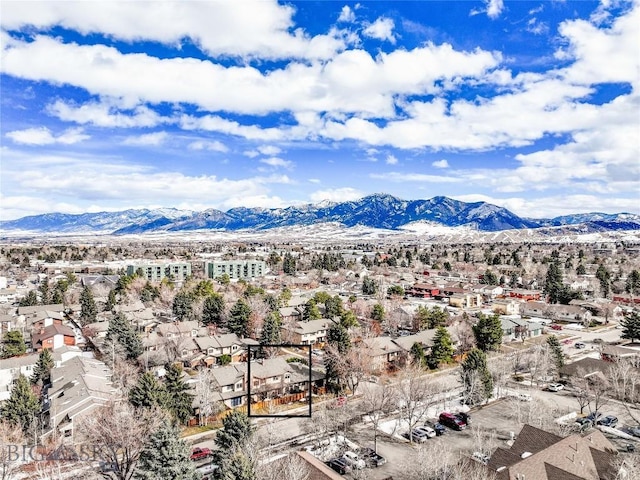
(526, 454)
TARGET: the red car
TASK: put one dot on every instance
(556, 327)
(452, 421)
(200, 453)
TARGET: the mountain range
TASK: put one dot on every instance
(375, 211)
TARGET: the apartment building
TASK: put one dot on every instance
(236, 269)
(156, 271)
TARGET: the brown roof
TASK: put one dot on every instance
(532, 439)
(50, 331)
(588, 365)
(555, 473)
(317, 469)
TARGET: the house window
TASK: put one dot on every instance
(210, 351)
(236, 402)
(234, 347)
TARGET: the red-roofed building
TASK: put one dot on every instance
(52, 337)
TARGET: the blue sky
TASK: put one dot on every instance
(533, 106)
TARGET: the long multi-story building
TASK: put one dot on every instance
(155, 272)
(236, 268)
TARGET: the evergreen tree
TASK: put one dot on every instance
(45, 292)
(476, 378)
(378, 313)
(182, 306)
(111, 301)
(13, 344)
(632, 284)
(88, 309)
(236, 432)
(239, 318)
(556, 351)
(213, 310)
(369, 286)
(289, 264)
(42, 371)
(57, 296)
(442, 349)
(604, 277)
(270, 334)
(148, 392)
(22, 406)
(29, 300)
(178, 399)
(488, 332)
(121, 331)
(489, 278)
(417, 353)
(338, 336)
(553, 282)
(166, 457)
(631, 326)
(333, 307)
(311, 311)
(348, 319)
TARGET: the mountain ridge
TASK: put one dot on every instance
(379, 210)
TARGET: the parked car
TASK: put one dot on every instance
(352, 459)
(200, 453)
(464, 416)
(580, 345)
(608, 421)
(555, 387)
(480, 457)
(449, 420)
(555, 326)
(339, 465)
(523, 397)
(371, 457)
(419, 434)
(593, 416)
(437, 427)
(635, 431)
(583, 423)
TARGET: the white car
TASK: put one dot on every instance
(353, 460)
(555, 387)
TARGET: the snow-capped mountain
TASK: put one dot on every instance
(379, 211)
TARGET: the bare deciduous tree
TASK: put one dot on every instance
(624, 376)
(377, 402)
(291, 467)
(118, 432)
(10, 461)
(414, 393)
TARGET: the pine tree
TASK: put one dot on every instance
(476, 378)
(442, 349)
(166, 457)
(22, 406)
(29, 300)
(121, 331)
(338, 336)
(417, 353)
(333, 307)
(213, 310)
(178, 399)
(553, 282)
(488, 332)
(369, 286)
(239, 318)
(270, 330)
(13, 344)
(631, 326)
(111, 301)
(289, 264)
(311, 311)
(604, 276)
(182, 305)
(378, 313)
(236, 432)
(42, 371)
(148, 392)
(88, 309)
(632, 284)
(45, 292)
(556, 351)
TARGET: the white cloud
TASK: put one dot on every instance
(494, 8)
(391, 160)
(105, 114)
(345, 194)
(212, 146)
(314, 180)
(269, 150)
(43, 136)
(146, 140)
(347, 15)
(277, 162)
(381, 29)
(238, 28)
(440, 163)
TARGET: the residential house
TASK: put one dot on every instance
(535, 309)
(506, 306)
(516, 328)
(384, 353)
(465, 300)
(52, 337)
(275, 377)
(306, 333)
(423, 290)
(539, 455)
(212, 347)
(525, 294)
(585, 368)
(488, 292)
(79, 386)
(615, 353)
(626, 298)
(424, 338)
(12, 368)
(569, 313)
(290, 314)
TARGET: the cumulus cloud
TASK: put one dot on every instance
(391, 160)
(105, 114)
(146, 140)
(277, 162)
(440, 163)
(44, 136)
(344, 194)
(381, 29)
(347, 15)
(212, 146)
(269, 150)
